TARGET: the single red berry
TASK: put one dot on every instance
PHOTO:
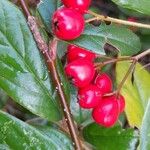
(121, 103)
(74, 52)
(81, 71)
(89, 97)
(107, 113)
(67, 24)
(104, 82)
(132, 19)
(81, 5)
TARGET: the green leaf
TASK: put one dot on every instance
(58, 137)
(145, 130)
(23, 72)
(19, 135)
(94, 39)
(141, 6)
(46, 10)
(4, 147)
(136, 94)
(79, 114)
(3, 98)
(64, 81)
(110, 138)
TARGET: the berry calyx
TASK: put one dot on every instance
(67, 24)
(107, 113)
(74, 52)
(104, 82)
(81, 5)
(89, 97)
(81, 71)
(121, 103)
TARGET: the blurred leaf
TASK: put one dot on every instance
(4, 147)
(110, 138)
(141, 6)
(46, 10)
(136, 94)
(94, 39)
(79, 114)
(23, 73)
(3, 98)
(145, 130)
(13, 130)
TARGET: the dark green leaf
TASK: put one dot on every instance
(141, 6)
(58, 137)
(94, 39)
(19, 135)
(23, 73)
(64, 81)
(110, 138)
(145, 130)
(46, 10)
(80, 115)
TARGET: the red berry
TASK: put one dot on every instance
(81, 71)
(67, 24)
(107, 113)
(81, 5)
(104, 82)
(75, 52)
(121, 103)
(89, 97)
(132, 19)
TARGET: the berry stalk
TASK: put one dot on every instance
(118, 21)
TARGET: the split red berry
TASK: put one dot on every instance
(75, 52)
(67, 24)
(81, 5)
(81, 71)
(89, 97)
(121, 102)
(107, 113)
(104, 82)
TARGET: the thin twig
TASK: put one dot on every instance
(139, 56)
(125, 58)
(118, 21)
(130, 70)
(50, 59)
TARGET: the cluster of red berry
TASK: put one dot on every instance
(68, 21)
(93, 87)
(68, 24)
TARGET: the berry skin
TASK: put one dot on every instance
(132, 19)
(75, 52)
(104, 82)
(81, 5)
(107, 113)
(121, 103)
(81, 71)
(89, 97)
(67, 24)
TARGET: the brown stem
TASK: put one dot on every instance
(115, 20)
(50, 59)
(125, 58)
(137, 57)
(101, 64)
(130, 70)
